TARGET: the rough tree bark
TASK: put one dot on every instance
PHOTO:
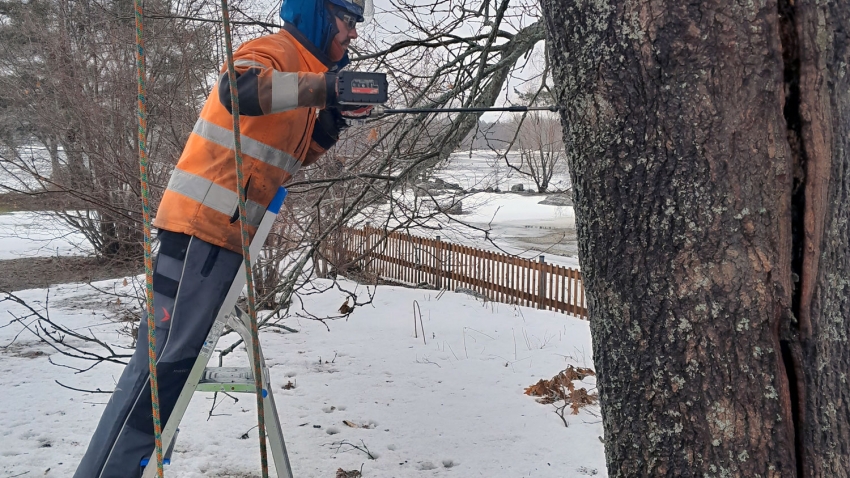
(709, 146)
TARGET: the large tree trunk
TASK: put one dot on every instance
(709, 146)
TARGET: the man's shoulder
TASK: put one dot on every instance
(284, 50)
(280, 39)
(279, 46)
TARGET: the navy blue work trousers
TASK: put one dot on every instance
(191, 279)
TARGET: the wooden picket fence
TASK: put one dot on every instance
(414, 260)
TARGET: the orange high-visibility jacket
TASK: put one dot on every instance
(201, 198)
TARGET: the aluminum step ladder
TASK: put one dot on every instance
(231, 379)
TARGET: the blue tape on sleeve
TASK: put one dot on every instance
(277, 202)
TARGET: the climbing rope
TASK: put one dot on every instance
(246, 254)
(143, 169)
(146, 217)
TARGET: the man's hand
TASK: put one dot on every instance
(329, 125)
(332, 121)
(355, 112)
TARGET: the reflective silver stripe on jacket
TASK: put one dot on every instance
(213, 196)
(284, 91)
(249, 63)
(251, 147)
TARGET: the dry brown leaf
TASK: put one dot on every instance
(340, 473)
(579, 398)
(561, 387)
(345, 308)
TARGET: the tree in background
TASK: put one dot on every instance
(68, 91)
(539, 144)
(709, 145)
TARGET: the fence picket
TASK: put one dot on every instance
(583, 308)
(550, 290)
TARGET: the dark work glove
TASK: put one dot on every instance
(331, 90)
(329, 125)
(355, 112)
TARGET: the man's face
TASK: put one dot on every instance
(345, 34)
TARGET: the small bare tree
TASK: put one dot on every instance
(540, 148)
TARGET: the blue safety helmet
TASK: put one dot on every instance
(315, 20)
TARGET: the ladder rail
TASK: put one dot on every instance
(274, 432)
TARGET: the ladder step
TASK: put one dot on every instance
(229, 379)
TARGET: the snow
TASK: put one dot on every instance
(16, 172)
(480, 169)
(453, 406)
(38, 234)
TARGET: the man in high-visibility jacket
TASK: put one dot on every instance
(289, 117)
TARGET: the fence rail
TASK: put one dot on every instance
(420, 261)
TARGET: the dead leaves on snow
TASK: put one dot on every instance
(349, 423)
(561, 387)
(340, 473)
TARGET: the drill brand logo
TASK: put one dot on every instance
(364, 86)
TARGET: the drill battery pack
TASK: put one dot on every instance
(362, 88)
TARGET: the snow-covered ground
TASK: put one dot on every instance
(520, 225)
(38, 234)
(453, 406)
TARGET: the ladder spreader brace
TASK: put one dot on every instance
(232, 379)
